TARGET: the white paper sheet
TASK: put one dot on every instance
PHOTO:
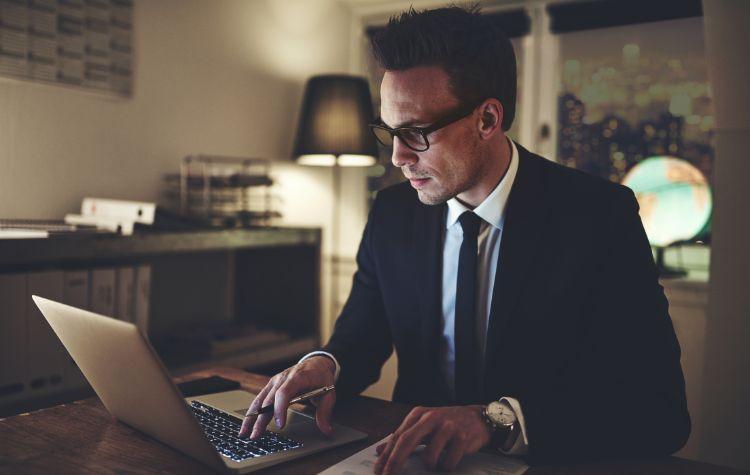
(363, 462)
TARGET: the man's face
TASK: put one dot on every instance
(452, 165)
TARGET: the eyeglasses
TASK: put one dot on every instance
(416, 137)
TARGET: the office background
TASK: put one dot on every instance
(227, 78)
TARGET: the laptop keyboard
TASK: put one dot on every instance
(222, 428)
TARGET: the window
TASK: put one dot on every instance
(632, 92)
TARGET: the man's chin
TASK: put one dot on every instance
(431, 198)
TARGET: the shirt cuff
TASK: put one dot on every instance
(519, 446)
(324, 353)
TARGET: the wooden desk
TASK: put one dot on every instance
(83, 438)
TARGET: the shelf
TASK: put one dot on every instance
(257, 358)
(24, 253)
(272, 282)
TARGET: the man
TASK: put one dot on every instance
(521, 296)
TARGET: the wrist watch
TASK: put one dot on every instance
(501, 420)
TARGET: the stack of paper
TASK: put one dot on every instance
(363, 462)
(38, 228)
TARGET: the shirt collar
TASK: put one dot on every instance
(492, 209)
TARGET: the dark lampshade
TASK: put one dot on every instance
(333, 123)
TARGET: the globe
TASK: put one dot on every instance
(674, 198)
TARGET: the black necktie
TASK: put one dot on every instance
(468, 361)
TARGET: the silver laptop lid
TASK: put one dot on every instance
(128, 377)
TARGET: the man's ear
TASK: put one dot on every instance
(491, 118)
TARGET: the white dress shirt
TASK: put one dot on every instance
(492, 212)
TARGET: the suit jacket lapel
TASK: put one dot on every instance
(428, 251)
(524, 218)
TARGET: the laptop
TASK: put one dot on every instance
(134, 386)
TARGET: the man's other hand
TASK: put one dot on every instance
(449, 433)
(313, 373)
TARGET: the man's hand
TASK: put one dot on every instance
(312, 373)
(448, 432)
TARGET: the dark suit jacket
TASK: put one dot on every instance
(579, 328)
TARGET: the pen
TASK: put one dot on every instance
(301, 398)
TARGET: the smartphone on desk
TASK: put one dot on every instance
(211, 385)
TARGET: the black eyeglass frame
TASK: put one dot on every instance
(449, 119)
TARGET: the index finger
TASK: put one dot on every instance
(406, 445)
(384, 453)
(248, 422)
(261, 422)
(284, 393)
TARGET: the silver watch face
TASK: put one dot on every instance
(501, 414)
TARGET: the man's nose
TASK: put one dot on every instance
(402, 155)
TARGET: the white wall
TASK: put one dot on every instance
(221, 77)
(307, 195)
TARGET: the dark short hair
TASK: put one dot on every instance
(476, 55)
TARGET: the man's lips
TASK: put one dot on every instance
(418, 182)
